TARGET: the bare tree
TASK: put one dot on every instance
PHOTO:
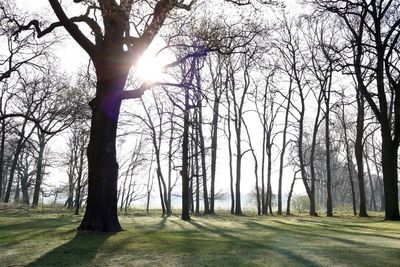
(116, 48)
(373, 27)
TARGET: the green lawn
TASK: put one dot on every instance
(37, 238)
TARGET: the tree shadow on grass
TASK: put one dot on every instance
(346, 229)
(79, 251)
(287, 255)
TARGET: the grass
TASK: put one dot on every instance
(46, 238)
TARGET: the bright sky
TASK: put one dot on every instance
(72, 57)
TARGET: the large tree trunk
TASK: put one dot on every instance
(390, 176)
(101, 212)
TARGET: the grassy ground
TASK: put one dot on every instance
(49, 239)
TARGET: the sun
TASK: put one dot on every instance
(149, 68)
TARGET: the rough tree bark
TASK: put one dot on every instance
(114, 52)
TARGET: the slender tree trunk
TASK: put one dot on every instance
(17, 189)
(264, 209)
(349, 162)
(39, 172)
(71, 184)
(359, 150)
(203, 158)
(329, 206)
(2, 165)
(18, 149)
(282, 155)
(160, 191)
(24, 183)
(381, 190)
(148, 203)
(371, 185)
(290, 194)
(149, 184)
(258, 198)
(185, 161)
(238, 203)
(157, 147)
(191, 194)
(214, 146)
(121, 193)
(5, 174)
(317, 123)
(169, 193)
(230, 158)
(128, 195)
(263, 195)
(269, 173)
(310, 192)
(196, 166)
(349, 169)
(161, 185)
(79, 182)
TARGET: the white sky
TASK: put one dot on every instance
(72, 57)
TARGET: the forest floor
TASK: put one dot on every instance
(49, 238)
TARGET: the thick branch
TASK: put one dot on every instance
(72, 28)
